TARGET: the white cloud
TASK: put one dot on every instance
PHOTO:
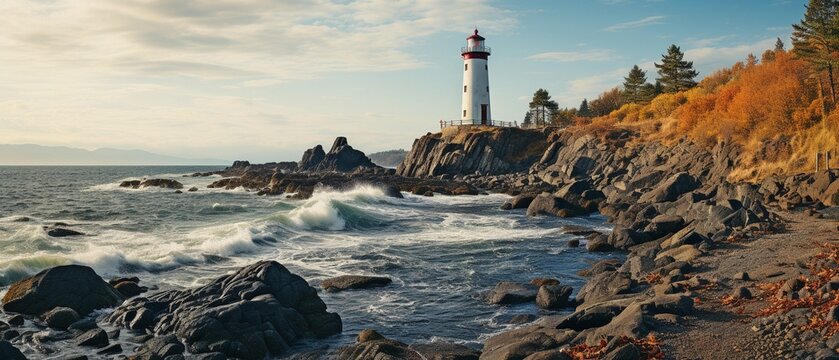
(175, 76)
(726, 56)
(572, 56)
(647, 21)
(709, 41)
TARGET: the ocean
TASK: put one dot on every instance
(442, 252)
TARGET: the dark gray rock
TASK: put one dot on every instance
(605, 285)
(521, 201)
(62, 232)
(9, 352)
(311, 158)
(553, 296)
(60, 317)
(10, 334)
(624, 238)
(663, 225)
(671, 189)
(260, 310)
(129, 289)
(548, 204)
(159, 348)
(346, 282)
(16, 320)
(625, 352)
(74, 286)
(598, 243)
(512, 293)
(97, 338)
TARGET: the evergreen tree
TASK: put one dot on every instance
(675, 74)
(584, 111)
(779, 45)
(633, 85)
(528, 118)
(751, 60)
(542, 107)
(767, 56)
(815, 38)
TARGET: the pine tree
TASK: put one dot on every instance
(584, 111)
(751, 60)
(528, 118)
(779, 45)
(633, 85)
(675, 74)
(542, 107)
(815, 39)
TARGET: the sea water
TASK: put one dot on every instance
(443, 253)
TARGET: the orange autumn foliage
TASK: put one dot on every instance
(748, 104)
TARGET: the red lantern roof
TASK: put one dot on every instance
(476, 36)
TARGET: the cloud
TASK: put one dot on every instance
(572, 56)
(647, 21)
(234, 39)
(725, 56)
(198, 78)
(709, 41)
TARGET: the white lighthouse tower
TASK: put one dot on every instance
(475, 108)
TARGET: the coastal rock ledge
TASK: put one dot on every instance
(261, 310)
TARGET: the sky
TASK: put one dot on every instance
(265, 79)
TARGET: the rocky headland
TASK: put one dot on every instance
(713, 269)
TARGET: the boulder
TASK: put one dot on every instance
(62, 232)
(681, 253)
(97, 338)
(512, 293)
(159, 348)
(548, 204)
(521, 201)
(261, 310)
(60, 317)
(605, 285)
(129, 289)
(162, 183)
(73, 286)
(598, 243)
(625, 352)
(372, 345)
(340, 158)
(346, 282)
(311, 158)
(527, 341)
(553, 296)
(670, 189)
(624, 238)
(686, 236)
(662, 225)
(9, 352)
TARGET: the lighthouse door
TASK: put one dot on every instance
(483, 114)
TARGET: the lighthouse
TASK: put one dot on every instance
(475, 109)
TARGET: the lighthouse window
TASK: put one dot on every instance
(487, 88)
(464, 88)
(464, 113)
(465, 67)
(486, 67)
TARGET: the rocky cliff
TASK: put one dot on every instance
(468, 150)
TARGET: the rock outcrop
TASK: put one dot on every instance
(340, 158)
(161, 183)
(72, 286)
(346, 282)
(468, 150)
(260, 310)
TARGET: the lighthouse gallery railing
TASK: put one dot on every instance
(445, 124)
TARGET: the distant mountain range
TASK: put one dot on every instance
(29, 154)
